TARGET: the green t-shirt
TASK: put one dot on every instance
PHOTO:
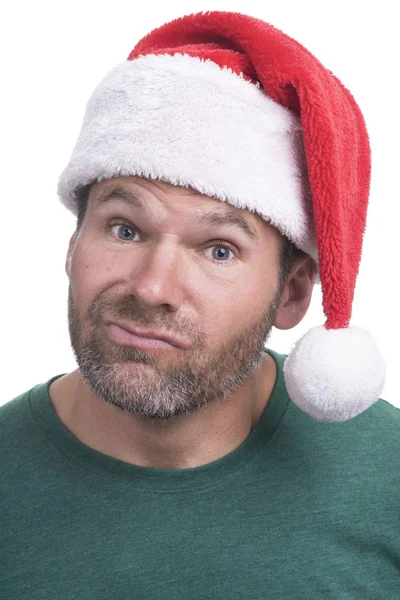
(301, 510)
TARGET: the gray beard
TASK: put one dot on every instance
(137, 382)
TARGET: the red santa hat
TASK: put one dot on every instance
(233, 107)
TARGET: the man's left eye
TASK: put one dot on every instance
(123, 231)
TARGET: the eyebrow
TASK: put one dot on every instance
(214, 218)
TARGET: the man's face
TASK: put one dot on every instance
(162, 269)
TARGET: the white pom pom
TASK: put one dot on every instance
(335, 374)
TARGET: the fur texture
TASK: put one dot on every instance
(335, 374)
(335, 137)
(187, 121)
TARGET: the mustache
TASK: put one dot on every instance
(127, 311)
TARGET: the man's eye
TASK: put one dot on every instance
(216, 253)
(125, 232)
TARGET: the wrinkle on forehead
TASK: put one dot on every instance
(201, 201)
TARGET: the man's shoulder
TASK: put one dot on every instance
(387, 408)
(15, 415)
(13, 407)
(376, 430)
(384, 414)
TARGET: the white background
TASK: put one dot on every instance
(53, 55)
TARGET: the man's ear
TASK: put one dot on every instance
(297, 294)
(71, 247)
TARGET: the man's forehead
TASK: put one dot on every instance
(147, 183)
(106, 188)
(215, 212)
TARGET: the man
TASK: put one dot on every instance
(183, 458)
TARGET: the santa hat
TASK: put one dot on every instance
(236, 109)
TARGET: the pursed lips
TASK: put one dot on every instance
(153, 335)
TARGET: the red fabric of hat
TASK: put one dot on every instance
(335, 137)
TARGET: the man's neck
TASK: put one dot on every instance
(193, 441)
